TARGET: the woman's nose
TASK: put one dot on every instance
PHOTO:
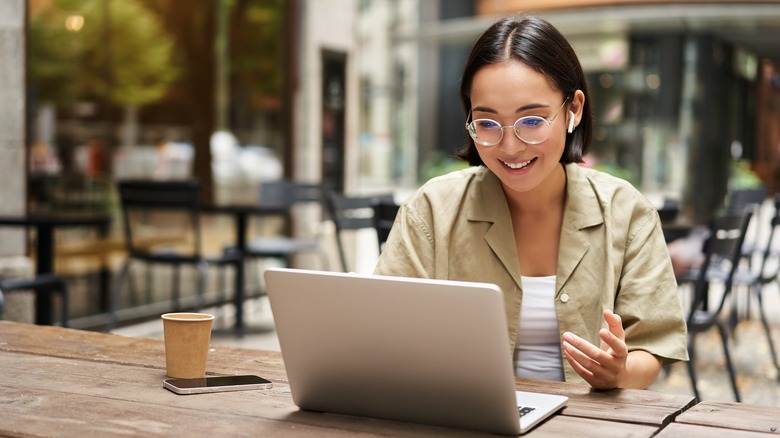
(512, 142)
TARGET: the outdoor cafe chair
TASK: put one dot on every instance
(351, 213)
(385, 212)
(738, 200)
(162, 227)
(669, 211)
(722, 250)
(286, 196)
(42, 284)
(767, 273)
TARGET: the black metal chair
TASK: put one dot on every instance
(351, 213)
(737, 200)
(42, 284)
(385, 212)
(769, 272)
(722, 253)
(162, 226)
(669, 211)
(286, 196)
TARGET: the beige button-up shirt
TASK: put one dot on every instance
(611, 255)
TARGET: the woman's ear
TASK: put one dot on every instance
(575, 110)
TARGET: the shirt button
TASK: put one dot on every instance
(565, 298)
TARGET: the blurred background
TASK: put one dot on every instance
(360, 95)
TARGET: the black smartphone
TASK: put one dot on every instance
(216, 384)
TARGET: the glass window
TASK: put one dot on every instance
(137, 89)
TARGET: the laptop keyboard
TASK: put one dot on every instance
(524, 410)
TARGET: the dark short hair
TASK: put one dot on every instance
(539, 45)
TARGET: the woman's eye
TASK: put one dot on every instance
(487, 124)
(530, 122)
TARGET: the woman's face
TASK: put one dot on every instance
(504, 92)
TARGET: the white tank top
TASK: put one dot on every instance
(538, 345)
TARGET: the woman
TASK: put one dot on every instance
(579, 254)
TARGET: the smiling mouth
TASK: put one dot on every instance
(518, 165)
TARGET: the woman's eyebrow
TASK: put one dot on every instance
(520, 109)
(484, 109)
(531, 106)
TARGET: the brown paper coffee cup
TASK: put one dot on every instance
(187, 337)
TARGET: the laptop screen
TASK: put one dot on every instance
(419, 350)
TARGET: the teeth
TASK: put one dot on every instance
(517, 165)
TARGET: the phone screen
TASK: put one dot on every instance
(216, 384)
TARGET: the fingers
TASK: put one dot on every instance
(579, 346)
(582, 371)
(586, 354)
(600, 367)
(613, 338)
(615, 323)
(590, 370)
(612, 344)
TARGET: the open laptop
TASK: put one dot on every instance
(424, 351)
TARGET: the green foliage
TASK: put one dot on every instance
(440, 164)
(121, 51)
(257, 32)
(54, 53)
(742, 177)
(142, 62)
(617, 171)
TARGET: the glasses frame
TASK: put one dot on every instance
(549, 122)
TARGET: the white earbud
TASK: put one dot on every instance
(571, 122)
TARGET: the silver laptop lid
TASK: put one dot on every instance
(425, 351)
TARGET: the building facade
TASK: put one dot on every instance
(12, 122)
(682, 90)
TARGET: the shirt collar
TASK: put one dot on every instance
(488, 204)
(583, 209)
(582, 202)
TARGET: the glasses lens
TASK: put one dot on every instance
(532, 129)
(485, 131)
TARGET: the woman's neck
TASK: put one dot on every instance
(550, 194)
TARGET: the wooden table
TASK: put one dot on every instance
(65, 382)
(44, 224)
(710, 418)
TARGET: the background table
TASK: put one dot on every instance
(241, 215)
(67, 382)
(44, 224)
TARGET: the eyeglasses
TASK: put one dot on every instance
(529, 129)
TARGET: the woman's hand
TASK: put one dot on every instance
(610, 366)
